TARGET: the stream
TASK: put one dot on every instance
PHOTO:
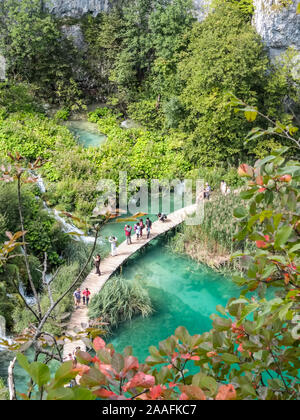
(182, 292)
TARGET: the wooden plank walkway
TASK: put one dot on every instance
(109, 267)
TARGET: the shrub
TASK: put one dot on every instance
(62, 114)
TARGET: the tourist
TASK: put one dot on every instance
(128, 230)
(77, 298)
(223, 187)
(148, 227)
(162, 217)
(207, 191)
(86, 296)
(137, 230)
(142, 226)
(113, 240)
(97, 262)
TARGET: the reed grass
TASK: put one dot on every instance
(120, 300)
(212, 242)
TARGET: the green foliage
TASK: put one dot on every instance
(4, 394)
(244, 6)
(62, 114)
(253, 346)
(43, 234)
(17, 97)
(36, 51)
(147, 113)
(143, 154)
(225, 55)
(120, 301)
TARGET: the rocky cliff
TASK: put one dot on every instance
(278, 26)
(77, 8)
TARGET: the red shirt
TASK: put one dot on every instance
(86, 293)
(128, 231)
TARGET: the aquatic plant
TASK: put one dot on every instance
(213, 241)
(120, 300)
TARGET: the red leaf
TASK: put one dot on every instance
(81, 369)
(260, 180)
(140, 380)
(226, 392)
(104, 393)
(186, 356)
(261, 244)
(193, 392)
(245, 170)
(99, 343)
(156, 392)
(131, 362)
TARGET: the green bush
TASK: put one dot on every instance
(4, 394)
(62, 114)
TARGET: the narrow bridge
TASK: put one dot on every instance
(110, 265)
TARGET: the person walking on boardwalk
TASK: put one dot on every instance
(97, 261)
(128, 230)
(77, 298)
(137, 230)
(148, 227)
(142, 226)
(86, 296)
(113, 240)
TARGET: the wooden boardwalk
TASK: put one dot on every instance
(110, 265)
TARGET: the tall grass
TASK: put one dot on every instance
(120, 300)
(212, 242)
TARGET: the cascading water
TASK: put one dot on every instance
(66, 226)
(2, 327)
(30, 300)
(3, 333)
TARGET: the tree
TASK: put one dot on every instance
(35, 49)
(225, 55)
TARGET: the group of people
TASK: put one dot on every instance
(138, 230)
(128, 230)
(85, 297)
(225, 189)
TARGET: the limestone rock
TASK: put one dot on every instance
(278, 26)
(77, 8)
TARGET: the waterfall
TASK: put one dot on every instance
(40, 183)
(66, 226)
(30, 300)
(2, 327)
(3, 333)
(69, 227)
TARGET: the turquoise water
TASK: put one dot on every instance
(183, 293)
(116, 226)
(86, 133)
